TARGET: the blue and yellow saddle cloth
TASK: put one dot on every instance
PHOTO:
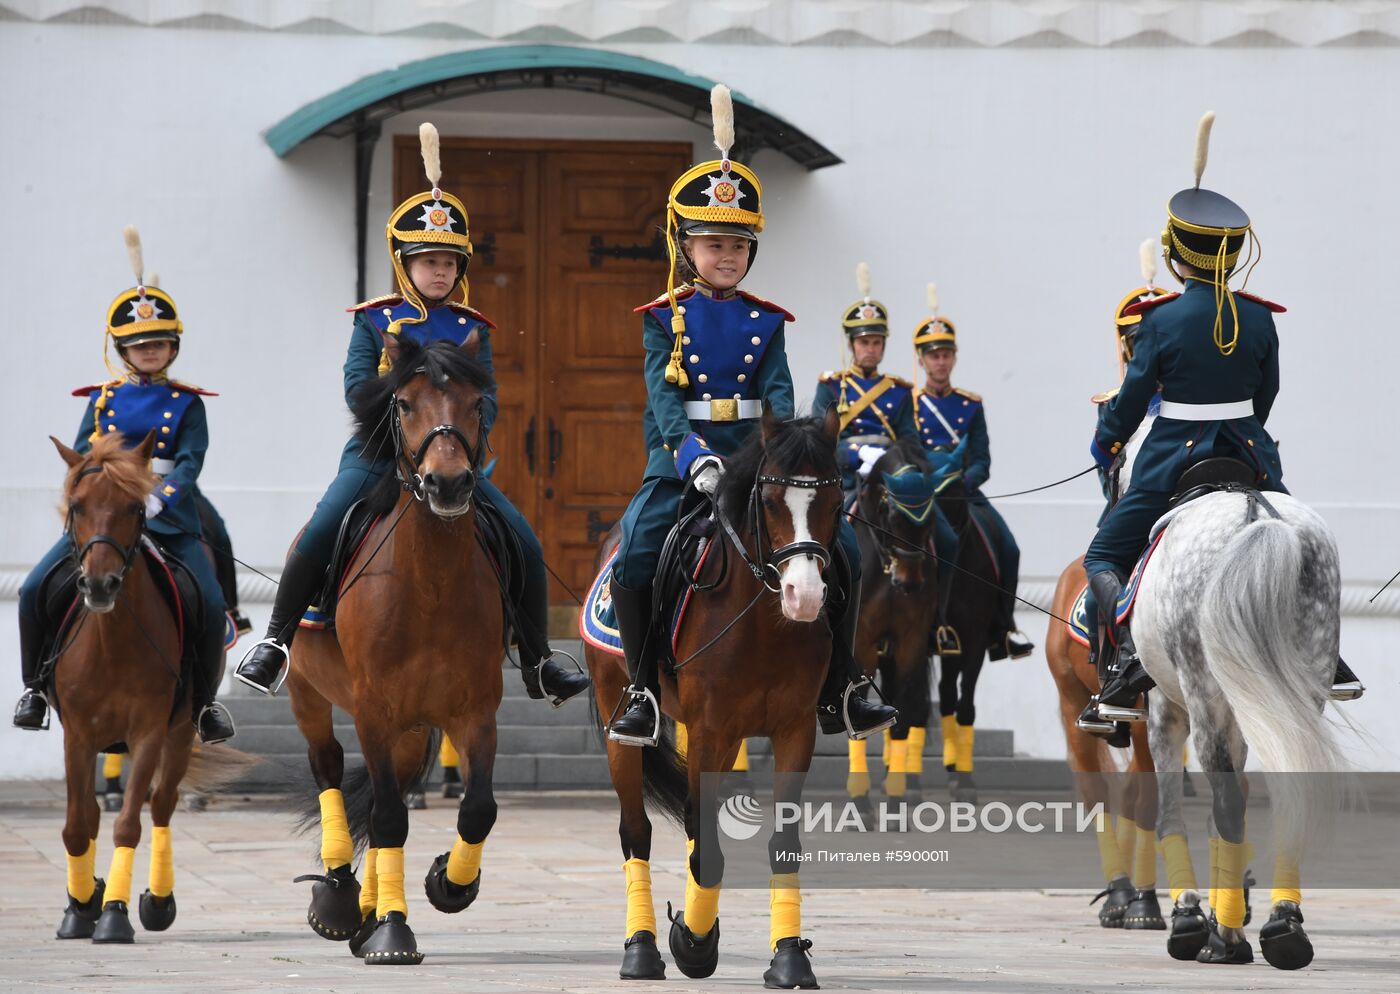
(1079, 615)
(597, 622)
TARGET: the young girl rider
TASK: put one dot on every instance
(143, 323)
(700, 338)
(429, 248)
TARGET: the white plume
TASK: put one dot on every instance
(1147, 258)
(722, 113)
(933, 298)
(1203, 144)
(432, 153)
(863, 279)
(132, 237)
(153, 280)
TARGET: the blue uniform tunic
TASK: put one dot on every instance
(888, 415)
(734, 349)
(1175, 348)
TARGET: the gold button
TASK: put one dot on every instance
(694, 358)
(166, 414)
(703, 378)
(742, 377)
(680, 308)
(685, 339)
(1249, 442)
(964, 403)
(111, 413)
(753, 314)
(960, 420)
(1190, 443)
(705, 396)
(165, 429)
(461, 320)
(748, 358)
(174, 393)
(738, 396)
(111, 427)
(388, 312)
(755, 340)
(160, 445)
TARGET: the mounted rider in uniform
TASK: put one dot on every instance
(429, 249)
(714, 356)
(945, 415)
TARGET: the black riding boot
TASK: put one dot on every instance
(1346, 685)
(1009, 640)
(211, 718)
(842, 706)
(544, 676)
(640, 721)
(301, 581)
(1121, 674)
(32, 711)
(946, 641)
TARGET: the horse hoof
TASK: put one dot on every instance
(913, 789)
(452, 790)
(443, 894)
(696, 957)
(896, 784)
(1282, 940)
(415, 800)
(112, 802)
(1120, 894)
(362, 934)
(80, 916)
(156, 913)
(790, 969)
(334, 912)
(962, 788)
(1219, 950)
(641, 960)
(196, 802)
(114, 925)
(392, 943)
(1189, 932)
(1144, 913)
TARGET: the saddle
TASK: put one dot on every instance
(354, 529)
(1210, 475)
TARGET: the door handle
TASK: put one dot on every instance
(530, 445)
(556, 446)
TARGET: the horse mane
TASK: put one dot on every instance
(124, 468)
(794, 446)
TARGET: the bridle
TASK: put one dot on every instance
(765, 567)
(413, 481)
(919, 513)
(127, 552)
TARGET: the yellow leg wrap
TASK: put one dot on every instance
(784, 908)
(1145, 860)
(895, 780)
(966, 734)
(1230, 909)
(1214, 870)
(886, 739)
(389, 870)
(641, 910)
(701, 903)
(1110, 856)
(914, 753)
(112, 765)
(682, 740)
(1127, 838)
(1286, 880)
(1181, 875)
(948, 724)
(119, 876)
(858, 767)
(369, 886)
(741, 761)
(447, 753)
(162, 878)
(80, 873)
(464, 863)
(336, 847)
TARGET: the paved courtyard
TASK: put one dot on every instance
(550, 918)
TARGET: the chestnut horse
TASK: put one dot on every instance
(117, 680)
(748, 665)
(416, 647)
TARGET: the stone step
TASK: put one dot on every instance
(510, 739)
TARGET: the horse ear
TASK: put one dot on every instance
(70, 456)
(473, 343)
(147, 446)
(831, 424)
(769, 425)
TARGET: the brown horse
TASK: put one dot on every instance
(1129, 856)
(416, 647)
(117, 680)
(748, 665)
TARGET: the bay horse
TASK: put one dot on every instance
(416, 647)
(117, 682)
(748, 664)
(1128, 856)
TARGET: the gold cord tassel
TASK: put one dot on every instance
(675, 370)
(1222, 294)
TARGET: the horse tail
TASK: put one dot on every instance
(1253, 630)
(215, 766)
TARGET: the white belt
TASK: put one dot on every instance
(162, 467)
(723, 410)
(1207, 412)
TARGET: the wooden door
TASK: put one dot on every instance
(566, 244)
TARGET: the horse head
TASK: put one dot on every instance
(899, 497)
(428, 410)
(104, 506)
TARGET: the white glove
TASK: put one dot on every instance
(707, 477)
(154, 505)
(869, 456)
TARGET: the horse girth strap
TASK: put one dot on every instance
(865, 400)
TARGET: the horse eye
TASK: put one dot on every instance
(77, 508)
(770, 505)
(404, 407)
(135, 508)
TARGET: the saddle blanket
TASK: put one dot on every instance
(1078, 623)
(597, 622)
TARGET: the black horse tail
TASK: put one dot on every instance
(665, 782)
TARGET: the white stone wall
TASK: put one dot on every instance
(1019, 179)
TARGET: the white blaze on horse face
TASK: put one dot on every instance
(804, 590)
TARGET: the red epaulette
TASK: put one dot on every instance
(682, 293)
(389, 298)
(1143, 306)
(767, 305)
(85, 391)
(1276, 308)
(473, 313)
(191, 388)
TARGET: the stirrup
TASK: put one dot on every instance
(216, 707)
(555, 701)
(851, 687)
(947, 641)
(1110, 712)
(629, 695)
(48, 710)
(1348, 691)
(282, 676)
(1091, 721)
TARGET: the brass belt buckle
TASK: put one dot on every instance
(724, 410)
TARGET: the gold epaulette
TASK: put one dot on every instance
(85, 391)
(396, 298)
(191, 388)
(472, 312)
(1105, 396)
(975, 397)
(900, 381)
(831, 376)
(681, 293)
